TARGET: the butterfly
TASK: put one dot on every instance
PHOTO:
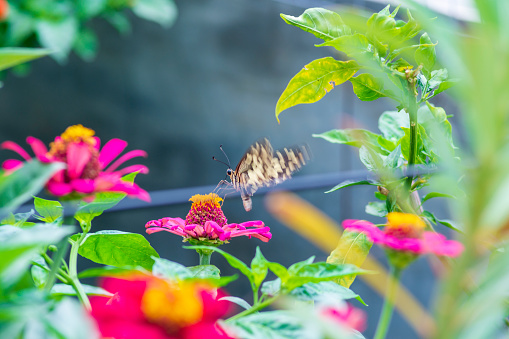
(262, 167)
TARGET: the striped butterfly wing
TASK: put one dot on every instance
(262, 167)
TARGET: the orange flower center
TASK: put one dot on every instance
(404, 225)
(77, 134)
(172, 305)
(205, 208)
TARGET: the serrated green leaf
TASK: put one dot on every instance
(320, 22)
(236, 300)
(13, 56)
(367, 87)
(436, 195)
(314, 81)
(376, 208)
(170, 270)
(118, 249)
(163, 12)
(49, 210)
(353, 248)
(426, 54)
(22, 184)
(324, 291)
(348, 183)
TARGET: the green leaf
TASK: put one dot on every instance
(119, 21)
(318, 272)
(436, 195)
(269, 325)
(437, 77)
(353, 248)
(376, 208)
(355, 46)
(394, 159)
(279, 270)
(426, 54)
(91, 8)
(259, 268)
(298, 265)
(391, 123)
(86, 44)
(22, 184)
(271, 288)
(170, 270)
(450, 224)
(314, 81)
(205, 272)
(234, 262)
(63, 289)
(324, 291)
(405, 145)
(49, 210)
(367, 87)
(106, 271)
(430, 216)
(320, 22)
(348, 183)
(58, 36)
(372, 160)
(351, 136)
(118, 249)
(18, 246)
(102, 201)
(236, 300)
(13, 56)
(163, 12)
(444, 85)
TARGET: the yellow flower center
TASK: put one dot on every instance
(172, 305)
(205, 208)
(404, 225)
(78, 133)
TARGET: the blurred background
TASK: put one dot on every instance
(214, 78)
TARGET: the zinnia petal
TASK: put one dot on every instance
(110, 151)
(12, 164)
(78, 156)
(11, 145)
(125, 157)
(39, 148)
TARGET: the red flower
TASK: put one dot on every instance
(206, 223)
(347, 316)
(4, 10)
(87, 169)
(145, 306)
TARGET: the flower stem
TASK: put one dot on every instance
(253, 309)
(73, 271)
(412, 112)
(55, 264)
(388, 308)
(204, 256)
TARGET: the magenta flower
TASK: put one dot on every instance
(405, 233)
(347, 316)
(206, 223)
(88, 167)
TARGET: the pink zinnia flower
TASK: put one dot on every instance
(206, 222)
(144, 306)
(404, 233)
(88, 167)
(347, 316)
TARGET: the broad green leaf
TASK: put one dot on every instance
(450, 224)
(279, 270)
(437, 77)
(12, 56)
(355, 46)
(394, 159)
(164, 268)
(86, 44)
(324, 291)
(236, 300)
(298, 265)
(436, 195)
(391, 123)
(348, 183)
(18, 246)
(376, 208)
(91, 8)
(386, 144)
(314, 81)
(234, 262)
(351, 136)
(58, 36)
(68, 319)
(118, 249)
(430, 216)
(106, 271)
(426, 54)
(19, 219)
(444, 85)
(163, 12)
(49, 210)
(353, 248)
(22, 184)
(317, 272)
(272, 287)
(205, 271)
(102, 201)
(259, 268)
(367, 87)
(119, 21)
(39, 271)
(63, 289)
(269, 325)
(372, 160)
(320, 22)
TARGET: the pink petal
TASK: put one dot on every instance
(125, 157)
(97, 145)
(58, 188)
(131, 169)
(85, 186)
(254, 223)
(173, 221)
(372, 232)
(159, 229)
(132, 190)
(12, 164)
(110, 151)
(438, 244)
(39, 148)
(10, 145)
(78, 156)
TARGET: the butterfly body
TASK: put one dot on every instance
(262, 167)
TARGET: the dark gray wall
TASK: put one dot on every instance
(214, 78)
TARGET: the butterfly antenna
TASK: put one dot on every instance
(221, 148)
(224, 163)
